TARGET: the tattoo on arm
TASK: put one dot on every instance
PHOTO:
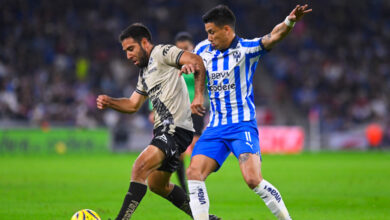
(243, 158)
(268, 36)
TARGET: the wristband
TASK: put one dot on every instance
(289, 23)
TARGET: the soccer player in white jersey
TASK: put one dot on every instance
(159, 81)
(230, 63)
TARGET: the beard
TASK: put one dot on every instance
(143, 59)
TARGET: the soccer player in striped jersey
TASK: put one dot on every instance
(230, 63)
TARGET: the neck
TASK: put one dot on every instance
(148, 48)
(230, 39)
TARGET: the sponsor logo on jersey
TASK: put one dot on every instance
(220, 75)
(218, 88)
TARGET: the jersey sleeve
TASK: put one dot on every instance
(170, 55)
(140, 87)
(253, 46)
(202, 46)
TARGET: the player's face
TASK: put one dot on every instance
(185, 45)
(135, 52)
(218, 36)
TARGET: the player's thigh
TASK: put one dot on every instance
(209, 153)
(158, 182)
(149, 160)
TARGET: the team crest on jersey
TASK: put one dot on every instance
(237, 55)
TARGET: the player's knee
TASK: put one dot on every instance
(252, 182)
(194, 173)
(139, 170)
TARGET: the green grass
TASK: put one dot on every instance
(326, 186)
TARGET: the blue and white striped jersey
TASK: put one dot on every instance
(230, 73)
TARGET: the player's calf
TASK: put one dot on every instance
(132, 199)
(272, 199)
(162, 190)
(252, 181)
(179, 198)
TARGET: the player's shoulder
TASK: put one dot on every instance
(202, 46)
(253, 42)
(161, 52)
(162, 49)
(252, 45)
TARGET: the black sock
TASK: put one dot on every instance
(179, 198)
(132, 199)
(182, 176)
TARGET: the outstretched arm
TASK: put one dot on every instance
(281, 30)
(192, 63)
(125, 105)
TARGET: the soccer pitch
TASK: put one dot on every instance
(319, 186)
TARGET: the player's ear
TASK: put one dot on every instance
(144, 42)
(226, 28)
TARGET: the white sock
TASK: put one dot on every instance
(199, 200)
(273, 200)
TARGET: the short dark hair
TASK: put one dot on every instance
(220, 15)
(137, 31)
(183, 36)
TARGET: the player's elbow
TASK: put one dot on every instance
(195, 59)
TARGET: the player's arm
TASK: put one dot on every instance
(192, 63)
(281, 30)
(125, 105)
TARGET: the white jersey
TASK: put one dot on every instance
(230, 73)
(166, 90)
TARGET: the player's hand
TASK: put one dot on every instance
(102, 101)
(197, 105)
(187, 69)
(298, 12)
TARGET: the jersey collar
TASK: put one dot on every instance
(233, 44)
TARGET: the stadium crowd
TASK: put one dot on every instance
(56, 56)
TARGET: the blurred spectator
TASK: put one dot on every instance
(55, 56)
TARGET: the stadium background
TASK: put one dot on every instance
(330, 76)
